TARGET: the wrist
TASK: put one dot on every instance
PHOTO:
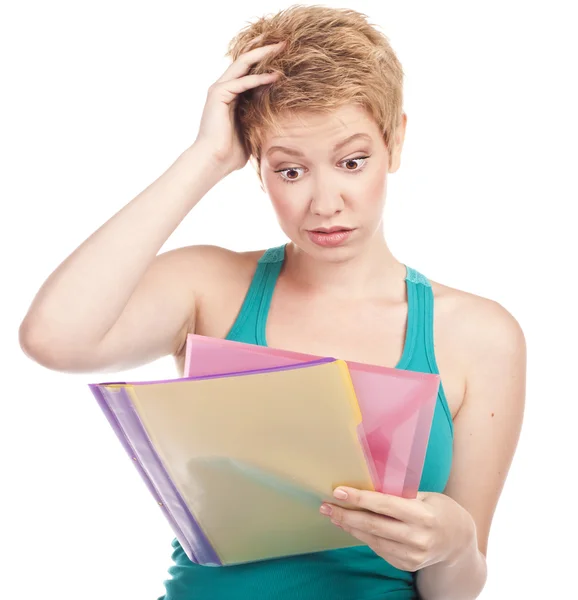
(464, 541)
(200, 154)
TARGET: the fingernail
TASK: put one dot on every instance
(325, 509)
(340, 494)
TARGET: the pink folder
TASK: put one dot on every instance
(397, 406)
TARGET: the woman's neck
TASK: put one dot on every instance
(373, 271)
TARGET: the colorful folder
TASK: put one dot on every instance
(397, 405)
(240, 462)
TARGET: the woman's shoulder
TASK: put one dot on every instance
(475, 339)
(477, 325)
(222, 277)
(215, 268)
(220, 255)
(213, 265)
(466, 306)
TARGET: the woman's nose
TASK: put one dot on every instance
(326, 203)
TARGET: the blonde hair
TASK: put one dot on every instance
(332, 57)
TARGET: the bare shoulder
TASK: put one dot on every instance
(221, 278)
(213, 264)
(217, 269)
(478, 327)
(470, 314)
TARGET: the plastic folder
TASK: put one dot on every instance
(397, 405)
(241, 462)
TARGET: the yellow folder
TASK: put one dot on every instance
(252, 456)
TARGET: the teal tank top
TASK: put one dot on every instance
(346, 574)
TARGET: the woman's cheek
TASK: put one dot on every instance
(287, 216)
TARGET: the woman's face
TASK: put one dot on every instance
(316, 181)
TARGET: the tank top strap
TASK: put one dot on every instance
(273, 260)
(420, 321)
(274, 255)
(423, 356)
(250, 323)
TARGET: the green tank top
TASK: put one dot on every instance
(346, 574)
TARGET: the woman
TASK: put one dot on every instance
(323, 131)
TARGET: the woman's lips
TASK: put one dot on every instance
(334, 238)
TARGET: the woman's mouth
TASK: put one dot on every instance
(330, 237)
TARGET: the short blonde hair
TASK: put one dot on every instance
(332, 57)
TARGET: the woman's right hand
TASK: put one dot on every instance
(218, 131)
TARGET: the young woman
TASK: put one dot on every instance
(324, 129)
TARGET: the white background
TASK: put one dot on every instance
(100, 98)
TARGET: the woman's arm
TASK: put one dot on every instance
(113, 303)
(486, 433)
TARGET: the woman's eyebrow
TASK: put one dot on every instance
(337, 146)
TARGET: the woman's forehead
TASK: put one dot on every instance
(334, 127)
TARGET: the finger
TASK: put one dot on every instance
(367, 538)
(240, 66)
(396, 554)
(377, 525)
(402, 509)
(228, 90)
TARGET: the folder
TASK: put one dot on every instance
(240, 463)
(397, 405)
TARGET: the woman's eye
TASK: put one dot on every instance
(288, 175)
(286, 172)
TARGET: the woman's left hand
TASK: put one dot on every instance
(410, 534)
